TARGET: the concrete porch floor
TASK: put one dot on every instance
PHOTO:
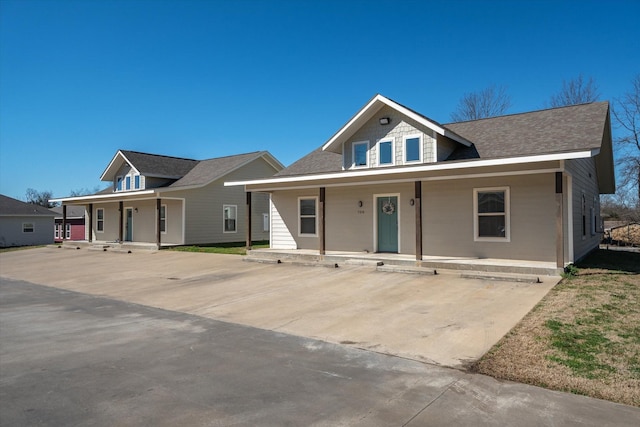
(490, 265)
(113, 246)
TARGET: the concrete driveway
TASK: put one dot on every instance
(444, 319)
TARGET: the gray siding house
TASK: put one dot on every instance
(516, 187)
(166, 200)
(24, 224)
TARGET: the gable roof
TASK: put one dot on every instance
(72, 211)
(370, 109)
(14, 207)
(154, 165)
(557, 130)
(207, 171)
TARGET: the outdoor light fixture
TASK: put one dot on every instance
(412, 202)
(136, 209)
(360, 203)
(384, 120)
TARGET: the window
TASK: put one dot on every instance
(67, 231)
(56, 233)
(584, 216)
(265, 222)
(491, 211)
(136, 181)
(28, 227)
(230, 214)
(307, 215)
(119, 183)
(163, 218)
(361, 154)
(385, 152)
(127, 183)
(412, 149)
(100, 220)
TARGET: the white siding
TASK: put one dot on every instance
(281, 237)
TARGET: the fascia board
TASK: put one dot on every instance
(421, 168)
(126, 195)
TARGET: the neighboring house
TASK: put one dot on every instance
(24, 224)
(74, 226)
(521, 187)
(166, 200)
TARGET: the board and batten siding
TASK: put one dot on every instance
(584, 180)
(204, 207)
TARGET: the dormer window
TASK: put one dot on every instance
(385, 152)
(127, 181)
(360, 154)
(119, 184)
(136, 182)
(413, 149)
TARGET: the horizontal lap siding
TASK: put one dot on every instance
(281, 235)
(448, 218)
(584, 181)
(11, 231)
(204, 207)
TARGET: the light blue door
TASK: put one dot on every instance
(387, 224)
(128, 236)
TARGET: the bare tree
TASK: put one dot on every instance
(490, 102)
(575, 91)
(626, 112)
(40, 198)
(84, 191)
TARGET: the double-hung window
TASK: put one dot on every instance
(230, 214)
(127, 182)
(119, 183)
(67, 231)
(100, 220)
(412, 149)
(491, 214)
(385, 152)
(307, 216)
(136, 182)
(360, 154)
(28, 227)
(163, 218)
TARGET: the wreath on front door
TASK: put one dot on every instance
(388, 207)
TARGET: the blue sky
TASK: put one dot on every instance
(200, 79)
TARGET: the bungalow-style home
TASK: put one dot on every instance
(516, 187)
(24, 224)
(73, 228)
(162, 200)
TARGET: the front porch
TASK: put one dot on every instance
(463, 264)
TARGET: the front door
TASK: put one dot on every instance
(387, 213)
(128, 225)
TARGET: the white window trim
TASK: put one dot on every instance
(67, 231)
(420, 149)
(56, 231)
(236, 219)
(393, 152)
(121, 178)
(33, 227)
(507, 214)
(98, 220)
(266, 222)
(300, 233)
(353, 155)
(166, 215)
(139, 179)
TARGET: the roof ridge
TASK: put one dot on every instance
(235, 155)
(529, 112)
(158, 155)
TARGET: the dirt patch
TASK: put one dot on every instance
(583, 337)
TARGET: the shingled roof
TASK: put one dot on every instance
(158, 165)
(14, 207)
(556, 130)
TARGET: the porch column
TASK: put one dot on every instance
(418, 207)
(64, 222)
(158, 231)
(321, 222)
(90, 215)
(248, 220)
(120, 227)
(559, 221)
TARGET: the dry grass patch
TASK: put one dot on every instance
(583, 337)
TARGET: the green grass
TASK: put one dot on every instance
(235, 248)
(583, 337)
